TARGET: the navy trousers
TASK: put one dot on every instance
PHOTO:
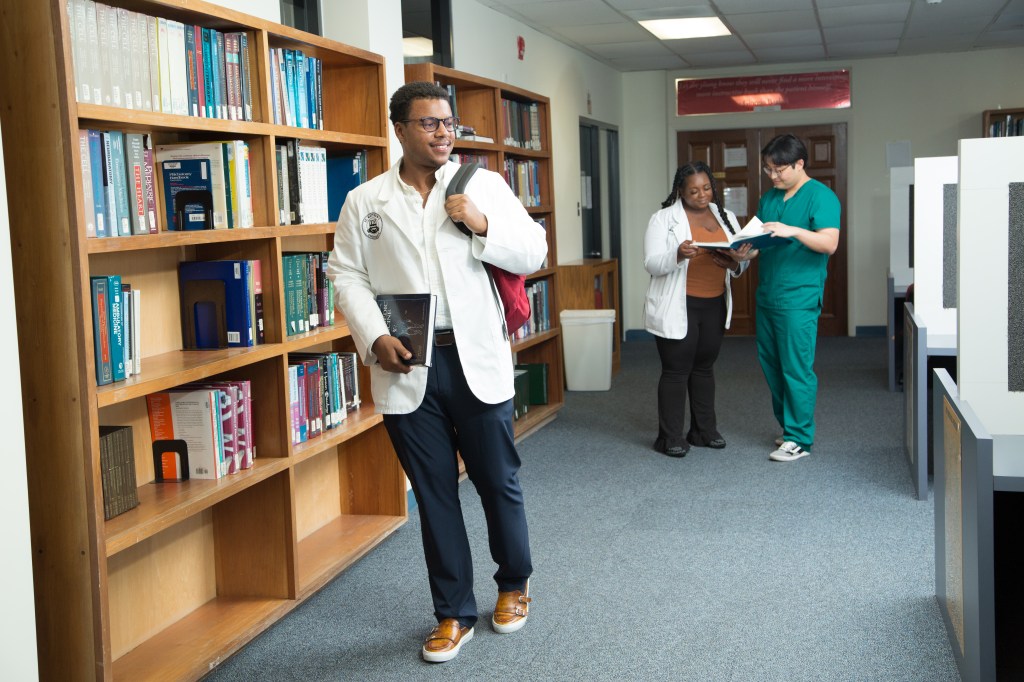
(452, 420)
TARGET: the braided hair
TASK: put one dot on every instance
(692, 168)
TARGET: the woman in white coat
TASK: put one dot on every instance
(689, 305)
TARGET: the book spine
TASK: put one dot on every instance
(200, 70)
(294, 183)
(97, 173)
(101, 330)
(257, 282)
(164, 48)
(221, 67)
(246, 76)
(149, 184)
(208, 79)
(120, 179)
(115, 311)
(87, 187)
(153, 49)
(134, 161)
(137, 326)
(123, 45)
(126, 325)
(140, 54)
(191, 78)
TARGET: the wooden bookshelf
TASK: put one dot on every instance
(593, 284)
(478, 102)
(174, 586)
(1001, 122)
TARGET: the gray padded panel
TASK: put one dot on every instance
(949, 211)
(1015, 290)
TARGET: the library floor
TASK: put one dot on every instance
(719, 566)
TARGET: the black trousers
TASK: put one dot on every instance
(449, 420)
(687, 367)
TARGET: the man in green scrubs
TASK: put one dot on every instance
(790, 286)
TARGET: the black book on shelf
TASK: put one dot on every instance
(410, 319)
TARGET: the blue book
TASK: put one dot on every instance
(119, 180)
(344, 173)
(101, 330)
(191, 175)
(99, 196)
(291, 83)
(115, 312)
(234, 312)
(208, 80)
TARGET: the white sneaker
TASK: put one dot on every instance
(788, 452)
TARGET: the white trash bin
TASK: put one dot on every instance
(587, 348)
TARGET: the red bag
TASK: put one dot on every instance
(509, 289)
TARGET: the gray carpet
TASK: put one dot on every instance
(719, 566)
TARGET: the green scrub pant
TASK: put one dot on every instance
(786, 340)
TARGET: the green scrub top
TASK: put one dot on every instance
(791, 276)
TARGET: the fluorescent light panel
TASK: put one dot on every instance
(417, 47)
(681, 29)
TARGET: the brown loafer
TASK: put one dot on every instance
(445, 640)
(511, 611)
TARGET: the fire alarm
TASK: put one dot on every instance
(521, 46)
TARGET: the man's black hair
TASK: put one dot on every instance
(403, 98)
(783, 150)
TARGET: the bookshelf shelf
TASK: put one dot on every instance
(172, 587)
(479, 103)
(1002, 122)
(162, 505)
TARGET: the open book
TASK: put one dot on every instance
(752, 233)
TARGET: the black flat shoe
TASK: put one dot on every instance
(717, 443)
(714, 443)
(674, 451)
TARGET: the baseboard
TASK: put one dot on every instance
(870, 331)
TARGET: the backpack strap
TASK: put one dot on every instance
(458, 186)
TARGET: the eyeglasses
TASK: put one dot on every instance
(430, 123)
(775, 172)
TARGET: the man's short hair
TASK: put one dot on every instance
(403, 98)
(784, 150)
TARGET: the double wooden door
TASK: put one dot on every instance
(735, 158)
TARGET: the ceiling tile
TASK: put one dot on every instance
(852, 15)
(698, 45)
(767, 22)
(567, 13)
(783, 39)
(1009, 38)
(868, 48)
(596, 34)
(944, 43)
(628, 5)
(668, 63)
(706, 59)
(626, 50)
(926, 28)
(746, 6)
(856, 34)
(831, 4)
(800, 53)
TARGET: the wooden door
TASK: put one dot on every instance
(734, 157)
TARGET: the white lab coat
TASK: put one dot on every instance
(383, 255)
(665, 306)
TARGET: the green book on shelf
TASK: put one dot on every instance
(538, 372)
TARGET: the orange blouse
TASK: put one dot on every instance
(704, 278)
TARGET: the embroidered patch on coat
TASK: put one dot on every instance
(372, 225)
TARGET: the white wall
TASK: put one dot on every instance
(17, 617)
(930, 100)
(485, 45)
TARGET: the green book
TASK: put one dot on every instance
(538, 372)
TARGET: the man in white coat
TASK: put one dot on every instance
(396, 235)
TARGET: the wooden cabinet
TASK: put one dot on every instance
(1002, 122)
(593, 284)
(484, 105)
(200, 567)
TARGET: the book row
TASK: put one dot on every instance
(531, 387)
(117, 470)
(296, 88)
(521, 124)
(464, 158)
(117, 328)
(202, 430)
(203, 185)
(323, 389)
(308, 292)
(1011, 126)
(524, 179)
(132, 60)
(540, 313)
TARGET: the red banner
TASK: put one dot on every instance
(821, 90)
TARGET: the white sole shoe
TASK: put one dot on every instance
(442, 656)
(524, 613)
(788, 452)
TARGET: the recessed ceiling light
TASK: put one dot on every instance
(681, 29)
